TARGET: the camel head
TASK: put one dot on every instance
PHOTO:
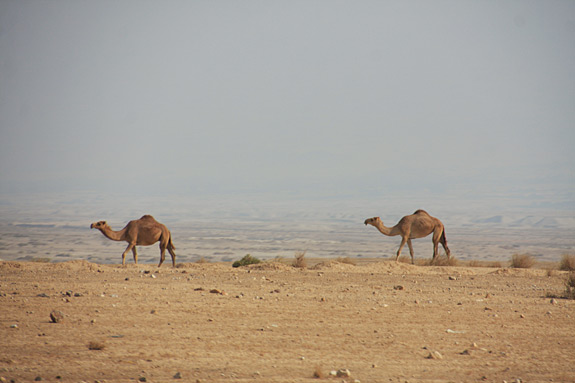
(98, 225)
(373, 221)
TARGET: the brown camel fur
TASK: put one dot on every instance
(418, 225)
(141, 232)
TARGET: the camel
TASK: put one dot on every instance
(140, 232)
(418, 225)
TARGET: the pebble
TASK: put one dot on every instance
(452, 278)
(13, 326)
(553, 301)
(56, 316)
(343, 373)
(434, 355)
(398, 287)
(178, 375)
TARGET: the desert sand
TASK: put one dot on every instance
(383, 321)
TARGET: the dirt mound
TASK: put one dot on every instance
(10, 265)
(333, 265)
(270, 266)
(76, 265)
(396, 268)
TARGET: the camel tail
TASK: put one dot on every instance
(443, 237)
(171, 244)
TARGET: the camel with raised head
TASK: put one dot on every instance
(140, 232)
(417, 225)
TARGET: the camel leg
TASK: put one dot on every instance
(436, 236)
(135, 255)
(130, 247)
(403, 241)
(173, 254)
(444, 244)
(162, 253)
(411, 251)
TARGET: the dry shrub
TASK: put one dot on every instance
(300, 261)
(404, 259)
(567, 263)
(570, 286)
(522, 261)
(441, 261)
(202, 260)
(346, 260)
(318, 373)
(494, 264)
(96, 346)
(245, 261)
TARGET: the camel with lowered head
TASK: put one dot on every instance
(140, 232)
(417, 225)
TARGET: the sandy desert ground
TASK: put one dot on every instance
(383, 321)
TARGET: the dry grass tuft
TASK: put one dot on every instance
(404, 259)
(522, 261)
(300, 261)
(570, 286)
(567, 263)
(347, 261)
(441, 261)
(494, 264)
(96, 346)
(318, 373)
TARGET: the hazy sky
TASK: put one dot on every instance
(313, 97)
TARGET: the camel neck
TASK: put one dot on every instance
(113, 235)
(389, 231)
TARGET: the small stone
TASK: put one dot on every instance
(452, 278)
(143, 379)
(38, 379)
(178, 375)
(343, 373)
(13, 326)
(398, 287)
(521, 316)
(553, 301)
(56, 316)
(434, 355)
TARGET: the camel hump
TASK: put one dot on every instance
(147, 216)
(420, 211)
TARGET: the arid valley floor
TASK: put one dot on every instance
(383, 321)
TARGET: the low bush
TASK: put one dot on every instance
(522, 261)
(96, 346)
(247, 260)
(570, 286)
(346, 260)
(441, 261)
(567, 263)
(300, 261)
